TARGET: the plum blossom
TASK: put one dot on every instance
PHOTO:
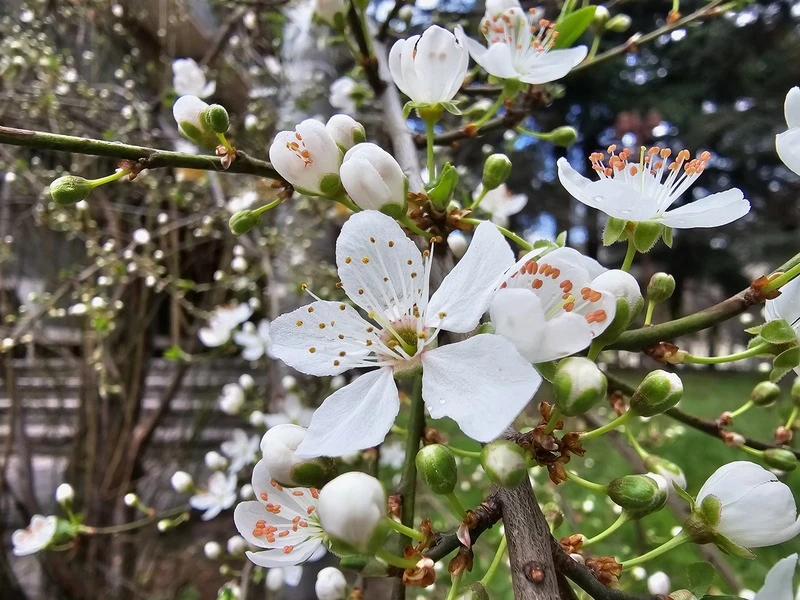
(429, 69)
(277, 577)
(778, 582)
(351, 507)
(521, 48)
(550, 306)
(643, 191)
(222, 322)
(501, 204)
(188, 78)
(330, 584)
(255, 342)
(220, 494)
(308, 158)
(241, 449)
(283, 521)
(755, 508)
(788, 143)
(36, 536)
(383, 272)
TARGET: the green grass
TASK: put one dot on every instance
(707, 394)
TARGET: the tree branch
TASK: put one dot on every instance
(146, 158)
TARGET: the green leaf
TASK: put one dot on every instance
(778, 332)
(571, 27)
(175, 354)
(613, 231)
(784, 363)
(700, 576)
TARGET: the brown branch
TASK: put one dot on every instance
(486, 515)
(368, 61)
(383, 32)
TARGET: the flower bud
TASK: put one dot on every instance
(65, 494)
(236, 545)
(437, 467)
(667, 469)
(246, 382)
(212, 550)
(658, 583)
(330, 584)
(442, 192)
(640, 495)
(474, 591)
(190, 115)
(457, 242)
(578, 385)
(215, 461)
(781, 459)
(345, 131)
(308, 158)
(504, 462)
(624, 287)
(796, 392)
(182, 482)
(661, 287)
(351, 511)
(243, 221)
(217, 118)
(131, 500)
(279, 446)
(658, 392)
(765, 393)
(496, 170)
(374, 179)
(288, 382)
(601, 17)
(563, 136)
(618, 23)
(70, 189)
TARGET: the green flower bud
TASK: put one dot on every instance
(618, 23)
(657, 392)
(578, 385)
(779, 458)
(601, 17)
(243, 221)
(765, 393)
(496, 170)
(217, 118)
(70, 189)
(437, 466)
(646, 234)
(563, 136)
(640, 495)
(661, 287)
(442, 192)
(504, 462)
(475, 591)
(796, 392)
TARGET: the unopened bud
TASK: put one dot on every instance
(667, 469)
(563, 136)
(765, 393)
(658, 392)
(131, 500)
(457, 242)
(345, 131)
(212, 550)
(243, 221)
(70, 189)
(578, 385)
(217, 118)
(779, 458)
(475, 591)
(182, 482)
(163, 525)
(406, 13)
(437, 467)
(236, 545)
(601, 17)
(65, 494)
(330, 584)
(505, 463)
(496, 170)
(640, 495)
(279, 446)
(732, 439)
(618, 23)
(352, 510)
(661, 287)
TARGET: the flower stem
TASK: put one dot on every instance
(492, 110)
(643, 454)
(498, 558)
(464, 453)
(394, 560)
(629, 256)
(752, 451)
(456, 505)
(782, 279)
(742, 409)
(111, 529)
(408, 477)
(430, 133)
(345, 201)
(455, 581)
(554, 418)
(623, 518)
(109, 178)
(595, 46)
(715, 360)
(262, 209)
(406, 531)
(595, 348)
(225, 143)
(409, 224)
(509, 234)
(679, 539)
(648, 317)
(792, 416)
(480, 198)
(594, 433)
(589, 485)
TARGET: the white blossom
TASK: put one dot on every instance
(351, 507)
(788, 143)
(246, 382)
(392, 455)
(181, 482)
(255, 342)
(383, 273)
(188, 78)
(236, 545)
(264, 522)
(277, 577)
(212, 550)
(778, 582)
(65, 494)
(658, 583)
(189, 113)
(521, 48)
(330, 584)
(645, 190)
(373, 178)
(219, 495)
(308, 158)
(430, 68)
(241, 449)
(341, 95)
(222, 322)
(231, 399)
(215, 461)
(291, 411)
(346, 131)
(501, 204)
(35, 537)
(242, 201)
(279, 446)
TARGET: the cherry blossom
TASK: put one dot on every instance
(341, 95)
(501, 204)
(645, 190)
(241, 449)
(373, 178)
(222, 322)
(383, 272)
(308, 158)
(188, 78)
(220, 494)
(788, 143)
(36, 536)
(255, 342)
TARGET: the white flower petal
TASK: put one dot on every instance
(209, 89)
(279, 559)
(416, 87)
(787, 145)
(355, 417)
(481, 383)
(731, 481)
(439, 62)
(553, 65)
(496, 60)
(787, 305)
(791, 107)
(381, 269)
(778, 582)
(712, 211)
(293, 575)
(322, 338)
(619, 200)
(212, 338)
(466, 291)
(572, 181)
(395, 63)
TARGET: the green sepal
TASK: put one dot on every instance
(561, 239)
(484, 328)
(407, 108)
(684, 495)
(732, 548)
(330, 185)
(396, 211)
(571, 27)
(754, 330)
(646, 234)
(613, 231)
(314, 472)
(778, 332)
(666, 235)
(547, 370)
(442, 191)
(451, 108)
